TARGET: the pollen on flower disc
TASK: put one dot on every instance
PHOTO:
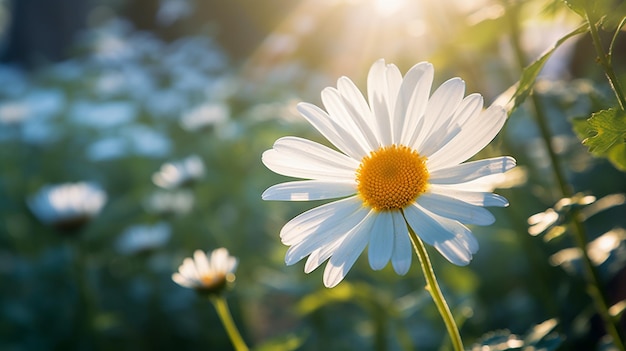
(391, 177)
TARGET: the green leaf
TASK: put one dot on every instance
(605, 135)
(577, 6)
(608, 127)
(594, 8)
(617, 156)
(530, 73)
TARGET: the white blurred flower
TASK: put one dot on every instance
(44, 103)
(205, 115)
(207, 274)
(146, 141)
(402, 164)
(67, 206)
(143, 238)
(102, 115)
(180, 173)
(13, 112)
(109, 148)
(166, 103)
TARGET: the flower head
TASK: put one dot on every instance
(67, 206)
(180, 173)
(207, 274)
(401, 162)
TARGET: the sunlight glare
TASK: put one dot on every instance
(388, 7)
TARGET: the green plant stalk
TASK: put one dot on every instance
(592, 277)
(433, 288)
(605, 62)
(227, 320)
(85, 309)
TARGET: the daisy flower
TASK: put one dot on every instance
(401, 162)
(179, 173)
(207, 273)
(67, 206)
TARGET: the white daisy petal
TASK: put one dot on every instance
(475, 134)
(381, 240)
(454, 251)
(314, 152)
(181, 280)
(470, 107)
(219, 260)
(340, 109)
(346, 254)
(469, 171)
(378, 96)
(440, 109)
(301, 158)
(325, 234)
(359, 109)
(394, 81)
(188, 269)
(412, 102)
(479, 198)
(425, 226)
(308, 190)
(330, 215)
(452, 208)
(332, 131)
(201, 262)
(317, 257)
(402, 254)
(458, 250)
(454, 243)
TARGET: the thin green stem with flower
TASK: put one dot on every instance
(227, 320)
(433, 288)
(592, 277)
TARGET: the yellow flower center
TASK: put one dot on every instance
(391, 177)
(209, 280)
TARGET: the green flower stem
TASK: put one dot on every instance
(227, 320)
(433, 288)
(592, 277)
(86, 334)
(605, 62)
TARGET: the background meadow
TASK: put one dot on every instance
(120, 92)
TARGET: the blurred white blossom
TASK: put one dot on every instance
(179, 173)
(205, 115)
(67, 206)
(207, 274)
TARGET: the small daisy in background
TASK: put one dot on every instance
(207, 273)
(400, 174)
(179, 173)
(210, 274)
(68, 206)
